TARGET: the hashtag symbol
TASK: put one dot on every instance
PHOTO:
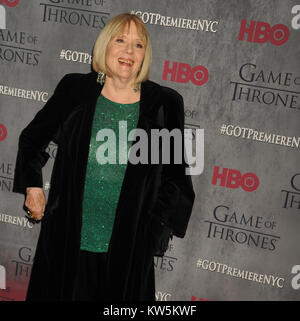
(62, 54)
(223, 129)
(199, 263)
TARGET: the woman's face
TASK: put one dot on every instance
(125, 53)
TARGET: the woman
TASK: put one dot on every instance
(103, 224)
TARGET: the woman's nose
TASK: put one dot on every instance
(129, 47)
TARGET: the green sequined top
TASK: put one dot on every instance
(103, 181)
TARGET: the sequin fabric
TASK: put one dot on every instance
(103, 181)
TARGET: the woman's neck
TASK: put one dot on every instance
(119, 91)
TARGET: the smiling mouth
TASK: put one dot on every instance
(125, 62)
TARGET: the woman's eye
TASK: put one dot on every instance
(139, 45)
(119, 40)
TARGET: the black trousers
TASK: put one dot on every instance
(89, 284)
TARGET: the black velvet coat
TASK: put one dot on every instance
(154, 197)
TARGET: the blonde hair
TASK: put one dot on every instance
(115, 26)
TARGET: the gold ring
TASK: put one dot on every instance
(30, 215)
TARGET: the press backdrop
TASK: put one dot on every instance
(236, 63)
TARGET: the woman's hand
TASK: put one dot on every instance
(35, 202)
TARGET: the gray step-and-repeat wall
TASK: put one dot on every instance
(236, 63)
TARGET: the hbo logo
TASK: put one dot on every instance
(233, 178)
(261, 32)
(183, 73)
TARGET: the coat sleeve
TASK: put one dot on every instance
(173, 207)
(35, 137)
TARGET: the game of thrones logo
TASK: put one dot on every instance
(266, 87)
(6, 176)
(80, 13)
(240, 229)
(292, 196)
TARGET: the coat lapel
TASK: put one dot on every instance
(150, 94)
